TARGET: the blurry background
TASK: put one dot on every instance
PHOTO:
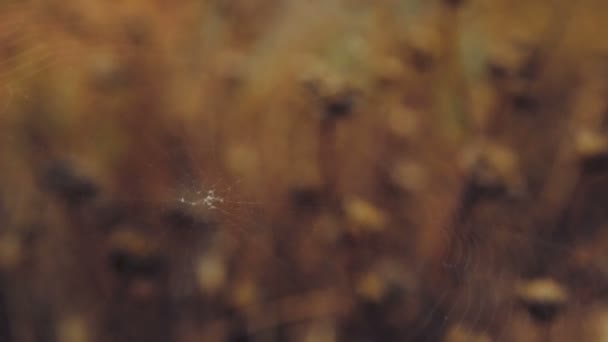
(303, 170)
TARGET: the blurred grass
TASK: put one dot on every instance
(359, 147)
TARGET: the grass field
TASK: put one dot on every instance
(303, 170)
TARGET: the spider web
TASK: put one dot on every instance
(488, 270)
(473, 254)
(482, 302)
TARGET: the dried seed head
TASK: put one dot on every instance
(423, 45)
(403, 122)
(460, 333)
(371, 287)
(324, 331)
(389, 70)
(590, 144)
(11, 251)
(410, 176)
(245, 294)
(495, 167)
(543, 298)
(211, 273)
(133, 257)
(73, 329)
(364, 216)
(336, 95)
(62, 179)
